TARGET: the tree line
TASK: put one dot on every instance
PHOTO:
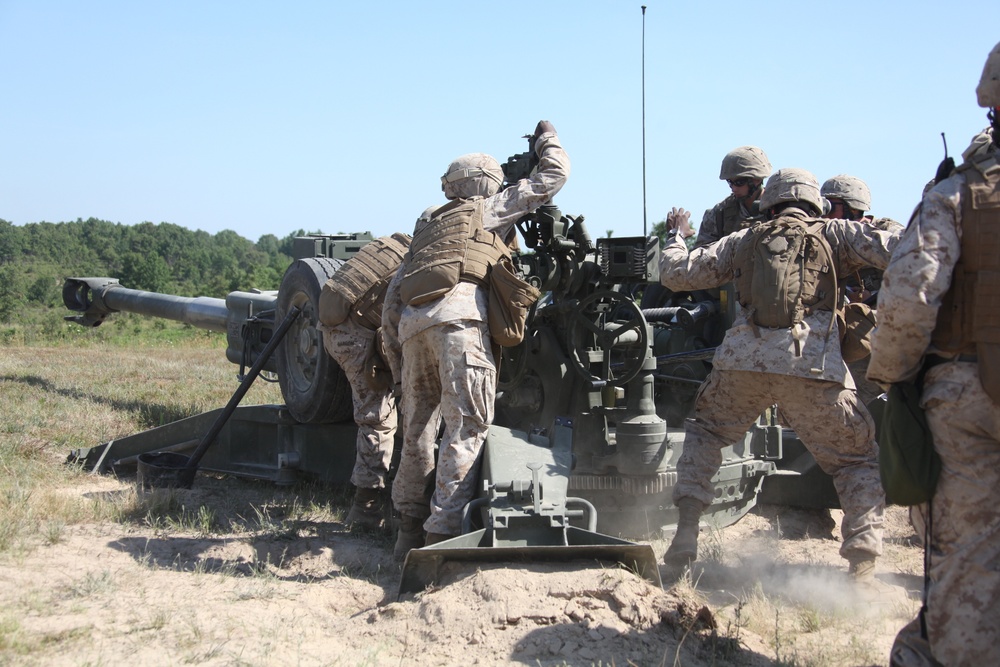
(36, 257)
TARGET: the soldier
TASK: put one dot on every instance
(350, 311)
(448, 363)
(744, 169)
(782, 350)
(849, 199)
(392, 310)
(938, 314)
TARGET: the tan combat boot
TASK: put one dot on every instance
(409, 536)
(366, 510)
(862, 566)
(683, 549)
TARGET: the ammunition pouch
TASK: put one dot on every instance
(510, 301)
(856, 323)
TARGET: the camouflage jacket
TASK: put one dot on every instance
(726, 217)
(795, 350)
(466, 301)
(914, 285)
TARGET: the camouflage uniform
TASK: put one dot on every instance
(374, 409)
(868, 391)
(447, 363)
(963, 617)
(392, 311)
(730, 215)
(755, 367)
(726, 217)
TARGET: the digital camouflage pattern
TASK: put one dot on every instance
(726, 217)
(800, 368)
(374, 410)
(788, 351)
(447, 364)
(963, 618)
(449, 374)
(824, 415)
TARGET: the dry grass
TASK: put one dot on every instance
(58, 399)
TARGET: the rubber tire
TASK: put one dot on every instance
(315, 389)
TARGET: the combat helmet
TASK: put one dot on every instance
(988, 90)
(745, 162)
(473, 174)
(853, 191)
(790, 185)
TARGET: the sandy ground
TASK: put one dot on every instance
(769, 590)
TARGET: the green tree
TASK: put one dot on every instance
(146, 272)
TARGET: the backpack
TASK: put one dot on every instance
(785, 271)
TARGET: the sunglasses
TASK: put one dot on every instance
(738, 183)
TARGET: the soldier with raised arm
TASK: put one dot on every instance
(448, 368)
(784, 349)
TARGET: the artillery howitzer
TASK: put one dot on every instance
(589, 411)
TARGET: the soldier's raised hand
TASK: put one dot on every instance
(680, 220)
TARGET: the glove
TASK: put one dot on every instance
(543, 127)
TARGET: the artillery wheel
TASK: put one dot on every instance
(315, 389)
(604, 318)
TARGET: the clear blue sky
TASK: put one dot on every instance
(341, 116)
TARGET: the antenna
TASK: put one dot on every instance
(644, 232)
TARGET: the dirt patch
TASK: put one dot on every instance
(771, 588)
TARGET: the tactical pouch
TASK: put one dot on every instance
(334, 306)
(510, 300)
(856, 323)
(908, 464)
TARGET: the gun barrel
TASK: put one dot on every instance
(96, 298)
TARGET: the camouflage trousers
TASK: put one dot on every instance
(963, 604)
(448, 374)
(868, 391)
(374, 409)
(825, 416)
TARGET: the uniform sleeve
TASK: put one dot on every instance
(860, 246)
(504, 208)
(701, 268)
(914, 284)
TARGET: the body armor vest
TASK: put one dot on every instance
(358, 288)
(784, 271)
(451, 247)
(729, 218)
(968, 321)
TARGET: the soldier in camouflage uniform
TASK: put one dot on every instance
(849, 199)
(392, 311)
(744, 169)
(798, 367)
(938, 309)
(350, 312)
(448, 365)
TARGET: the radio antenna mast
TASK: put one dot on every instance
(644, 231)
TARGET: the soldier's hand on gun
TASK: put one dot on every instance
(679, 220)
